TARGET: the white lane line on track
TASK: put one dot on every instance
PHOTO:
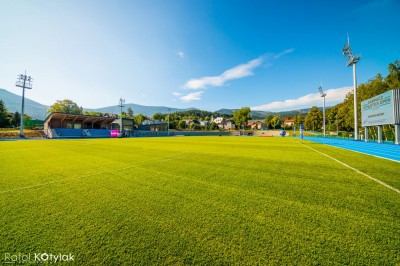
(354, 169)
(95, 174)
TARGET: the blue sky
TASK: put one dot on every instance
(269, 55)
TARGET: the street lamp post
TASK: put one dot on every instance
(24, 82)
(121, 104)
(323, 96)
(352, 61)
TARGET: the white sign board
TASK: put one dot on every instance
(378, 110)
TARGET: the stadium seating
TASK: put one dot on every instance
(99, 133)
(78, 133)
(69, 132)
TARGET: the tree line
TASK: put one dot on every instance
(341, 116)
(10, 120)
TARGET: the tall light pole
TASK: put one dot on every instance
(169, 110)
(323, 96)
(352, 61)
(121, 104)
(25, 82)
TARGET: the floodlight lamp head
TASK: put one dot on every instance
(321, 91)
(346, 49)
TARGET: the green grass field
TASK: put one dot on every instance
(197, 200)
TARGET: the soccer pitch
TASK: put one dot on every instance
(198, 200)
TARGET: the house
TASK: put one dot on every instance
(205, 123)
(191, 121)
(256, 124)
(223, 123)
(229, 124)
(218, 120)
(288, 122)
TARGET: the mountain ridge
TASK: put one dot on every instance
(37, 110)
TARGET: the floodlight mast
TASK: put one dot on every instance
(24, 82)
(121, 104)
(323, 96)
(169, 110)
(352, 61)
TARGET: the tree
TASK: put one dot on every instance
(276, 120)
(314, 118)
(158, 116)
(182, 124)
(214, 126)
(268, 121)
(16, 119)
(66, 106)
(139, 119)
(298, 120)
(241, 116)
(393, 78)
(4, 121)
(194, 126)
(92, 113)
(130, 112)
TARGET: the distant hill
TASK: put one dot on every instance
(264, 114)
(137, 109)
(37, 110)
(254, 114)
(13, 103)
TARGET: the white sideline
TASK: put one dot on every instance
(354, 169)
(165, 159)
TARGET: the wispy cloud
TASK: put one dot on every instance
(333, 96)
(177, 94)
(281, 54)
(237, 72)
(180, 54)
(194, 96)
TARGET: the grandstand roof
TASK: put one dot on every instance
(83, 118)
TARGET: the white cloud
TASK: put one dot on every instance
(180, 54)
(194, 96)
(177, 94)
(333, 96)
(287, 51)
(236, 72)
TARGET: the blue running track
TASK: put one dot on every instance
(382, 150)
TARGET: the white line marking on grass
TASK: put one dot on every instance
(354, 169)
(95, 174)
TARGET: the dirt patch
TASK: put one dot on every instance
(15, 134)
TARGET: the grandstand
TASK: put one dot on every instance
(61, 125)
